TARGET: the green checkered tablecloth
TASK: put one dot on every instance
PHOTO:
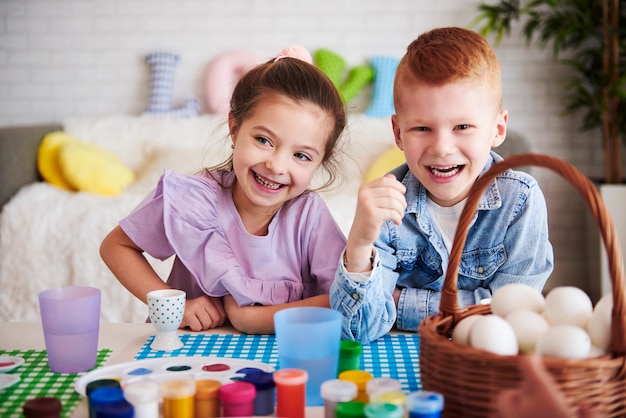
(38, 381)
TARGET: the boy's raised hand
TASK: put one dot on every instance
(379, 200)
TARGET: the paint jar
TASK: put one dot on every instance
(207, 401)
(382, 385)
(122, 409)
(349, 356)
(43, 407)
(291, 392)
(352, 409)
(383, 410)
(360, 378)
(394, 397)
(335, 391)
(105, 396)
(178, 399)
(265, 391)
(144, 395)
(237, 399)
(97, 384)
(424, 404)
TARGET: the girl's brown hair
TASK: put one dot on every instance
(299, 81)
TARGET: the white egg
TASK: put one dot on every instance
(568, 305)
(516, 297)
(528, 326)
(599, 325)
(460, 334)
(565, 341)
(605, 303)
(596, 352)
(492, 333)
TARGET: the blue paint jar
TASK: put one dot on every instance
(265, 391)
(106, 402)
(121, 409)
(424, 404)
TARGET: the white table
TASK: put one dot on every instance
(125, 340)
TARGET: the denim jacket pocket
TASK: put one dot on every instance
(406, 259)
(483, 263)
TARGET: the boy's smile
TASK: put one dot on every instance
(446, 133)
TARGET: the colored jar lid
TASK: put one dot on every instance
(291, 377)
(101, 383)
(352, 409)
(383, 410)
(43, 407)
(105, 395)
(142, 391)
(178, 388)
(360, 377)
(350, 348)
(237, 392)
(383, 384)
(336, 390)
(424, 402)
(207, 389)
(261, 380)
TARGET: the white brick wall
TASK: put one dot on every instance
(73, 58)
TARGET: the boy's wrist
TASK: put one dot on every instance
(358, 264)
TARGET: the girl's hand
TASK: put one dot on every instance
(204, 312)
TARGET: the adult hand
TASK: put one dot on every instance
(204, 312)
(538, 396)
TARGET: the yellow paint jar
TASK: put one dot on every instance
(178, 398)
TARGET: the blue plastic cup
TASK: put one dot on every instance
(308, 338)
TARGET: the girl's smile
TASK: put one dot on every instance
(277, 150)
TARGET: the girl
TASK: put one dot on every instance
(248, 236)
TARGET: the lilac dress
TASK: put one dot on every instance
(194, 218)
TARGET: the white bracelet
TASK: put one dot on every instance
(357, 265)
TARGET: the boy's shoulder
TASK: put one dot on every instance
(518, 175)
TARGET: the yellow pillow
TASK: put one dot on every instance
(385, 163)
(47, 161)
(90, 168)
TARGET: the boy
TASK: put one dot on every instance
(447, 96)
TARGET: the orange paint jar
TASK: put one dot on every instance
(291, 392)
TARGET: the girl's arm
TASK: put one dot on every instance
(255, 319)
(128, 264)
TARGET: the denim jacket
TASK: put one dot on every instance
(507, 242)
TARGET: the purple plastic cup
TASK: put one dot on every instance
(70, 317)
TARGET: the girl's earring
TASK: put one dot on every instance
(232, 146)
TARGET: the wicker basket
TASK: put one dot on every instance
(469, 378)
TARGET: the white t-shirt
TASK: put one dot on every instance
(446, 219)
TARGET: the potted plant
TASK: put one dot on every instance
(589, 37)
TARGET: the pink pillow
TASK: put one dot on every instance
(223, 73)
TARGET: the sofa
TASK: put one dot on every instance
(50, 237)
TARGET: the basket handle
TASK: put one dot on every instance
(449, 298)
